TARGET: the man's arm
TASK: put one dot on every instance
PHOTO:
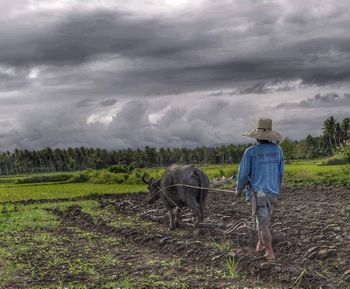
(281, 168)
(243, 172)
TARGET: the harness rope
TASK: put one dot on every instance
(183, 185)
(188, 186)
(203, 188)
(230, 228)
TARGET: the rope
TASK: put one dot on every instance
(167, 197)
(230, 227)
(203, 188)
(172, 202)
(188, 186)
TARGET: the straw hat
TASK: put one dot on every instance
(264, 131)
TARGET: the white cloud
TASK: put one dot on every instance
(34, 73)
(155, 117)
(8, 70)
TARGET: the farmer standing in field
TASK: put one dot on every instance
(261, 170)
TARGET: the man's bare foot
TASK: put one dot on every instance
(270, 256)
(260, 247)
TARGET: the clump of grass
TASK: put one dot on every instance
(341, 157)
(121, 168)
(297, 282)
(231, 267)
(218, 171)
(106, 177)
(126, 283)
(80, 177)
(347, 213)
(45, 179)
(135, 177)
(225, 245)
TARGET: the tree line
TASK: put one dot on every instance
(72, 159)
(334, 134)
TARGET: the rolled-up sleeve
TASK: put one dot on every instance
(243, 171)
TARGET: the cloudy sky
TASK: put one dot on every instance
(118, 74)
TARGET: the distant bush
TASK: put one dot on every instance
(135, 178)
(335, 161)
(81, 177)
(106, 177)
(226, 172)
(341, 157)
(45, 179)
(121, 169)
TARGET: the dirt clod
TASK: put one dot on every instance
(310, 231)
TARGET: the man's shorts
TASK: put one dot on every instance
(265, 204)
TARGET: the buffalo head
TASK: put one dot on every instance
(153, 188)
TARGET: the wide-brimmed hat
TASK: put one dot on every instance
(264, 131)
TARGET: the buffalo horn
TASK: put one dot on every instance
(144, 179)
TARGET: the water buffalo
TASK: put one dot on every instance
(179, 196)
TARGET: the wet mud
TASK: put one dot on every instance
(310, 226)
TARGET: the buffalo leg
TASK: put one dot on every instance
(177, 212)
(171, 219)
(199, 215)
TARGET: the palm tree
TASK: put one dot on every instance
(338, 133)
(329, 129)
(345, 127)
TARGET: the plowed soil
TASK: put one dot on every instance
(311, 229)
(310, 226)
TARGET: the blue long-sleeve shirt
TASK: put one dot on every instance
(262, 165)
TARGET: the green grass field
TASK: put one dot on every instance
(62, 191)
(39, 250)
(63, 185)
(29, 234)
(313, 172)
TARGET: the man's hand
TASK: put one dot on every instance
(237, 194)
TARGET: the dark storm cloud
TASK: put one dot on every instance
(79, 36)
(308, 124)
(108, 102)
(203, 123)
(84, 103)
(319, 100)
(217, 93)
(13, 79)
(270, 86)
(61, 68)
(4, 123)
(179, 56)
(53, 127)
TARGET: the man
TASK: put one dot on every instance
(261, 169)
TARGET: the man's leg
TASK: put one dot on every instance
(263, 222)
(260, 245)
(267, 241)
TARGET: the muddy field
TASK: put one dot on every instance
(311, 229)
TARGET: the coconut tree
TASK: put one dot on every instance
(345, 127)
(338, 134)
(329, 130)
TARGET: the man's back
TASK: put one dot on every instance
(262, 166)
